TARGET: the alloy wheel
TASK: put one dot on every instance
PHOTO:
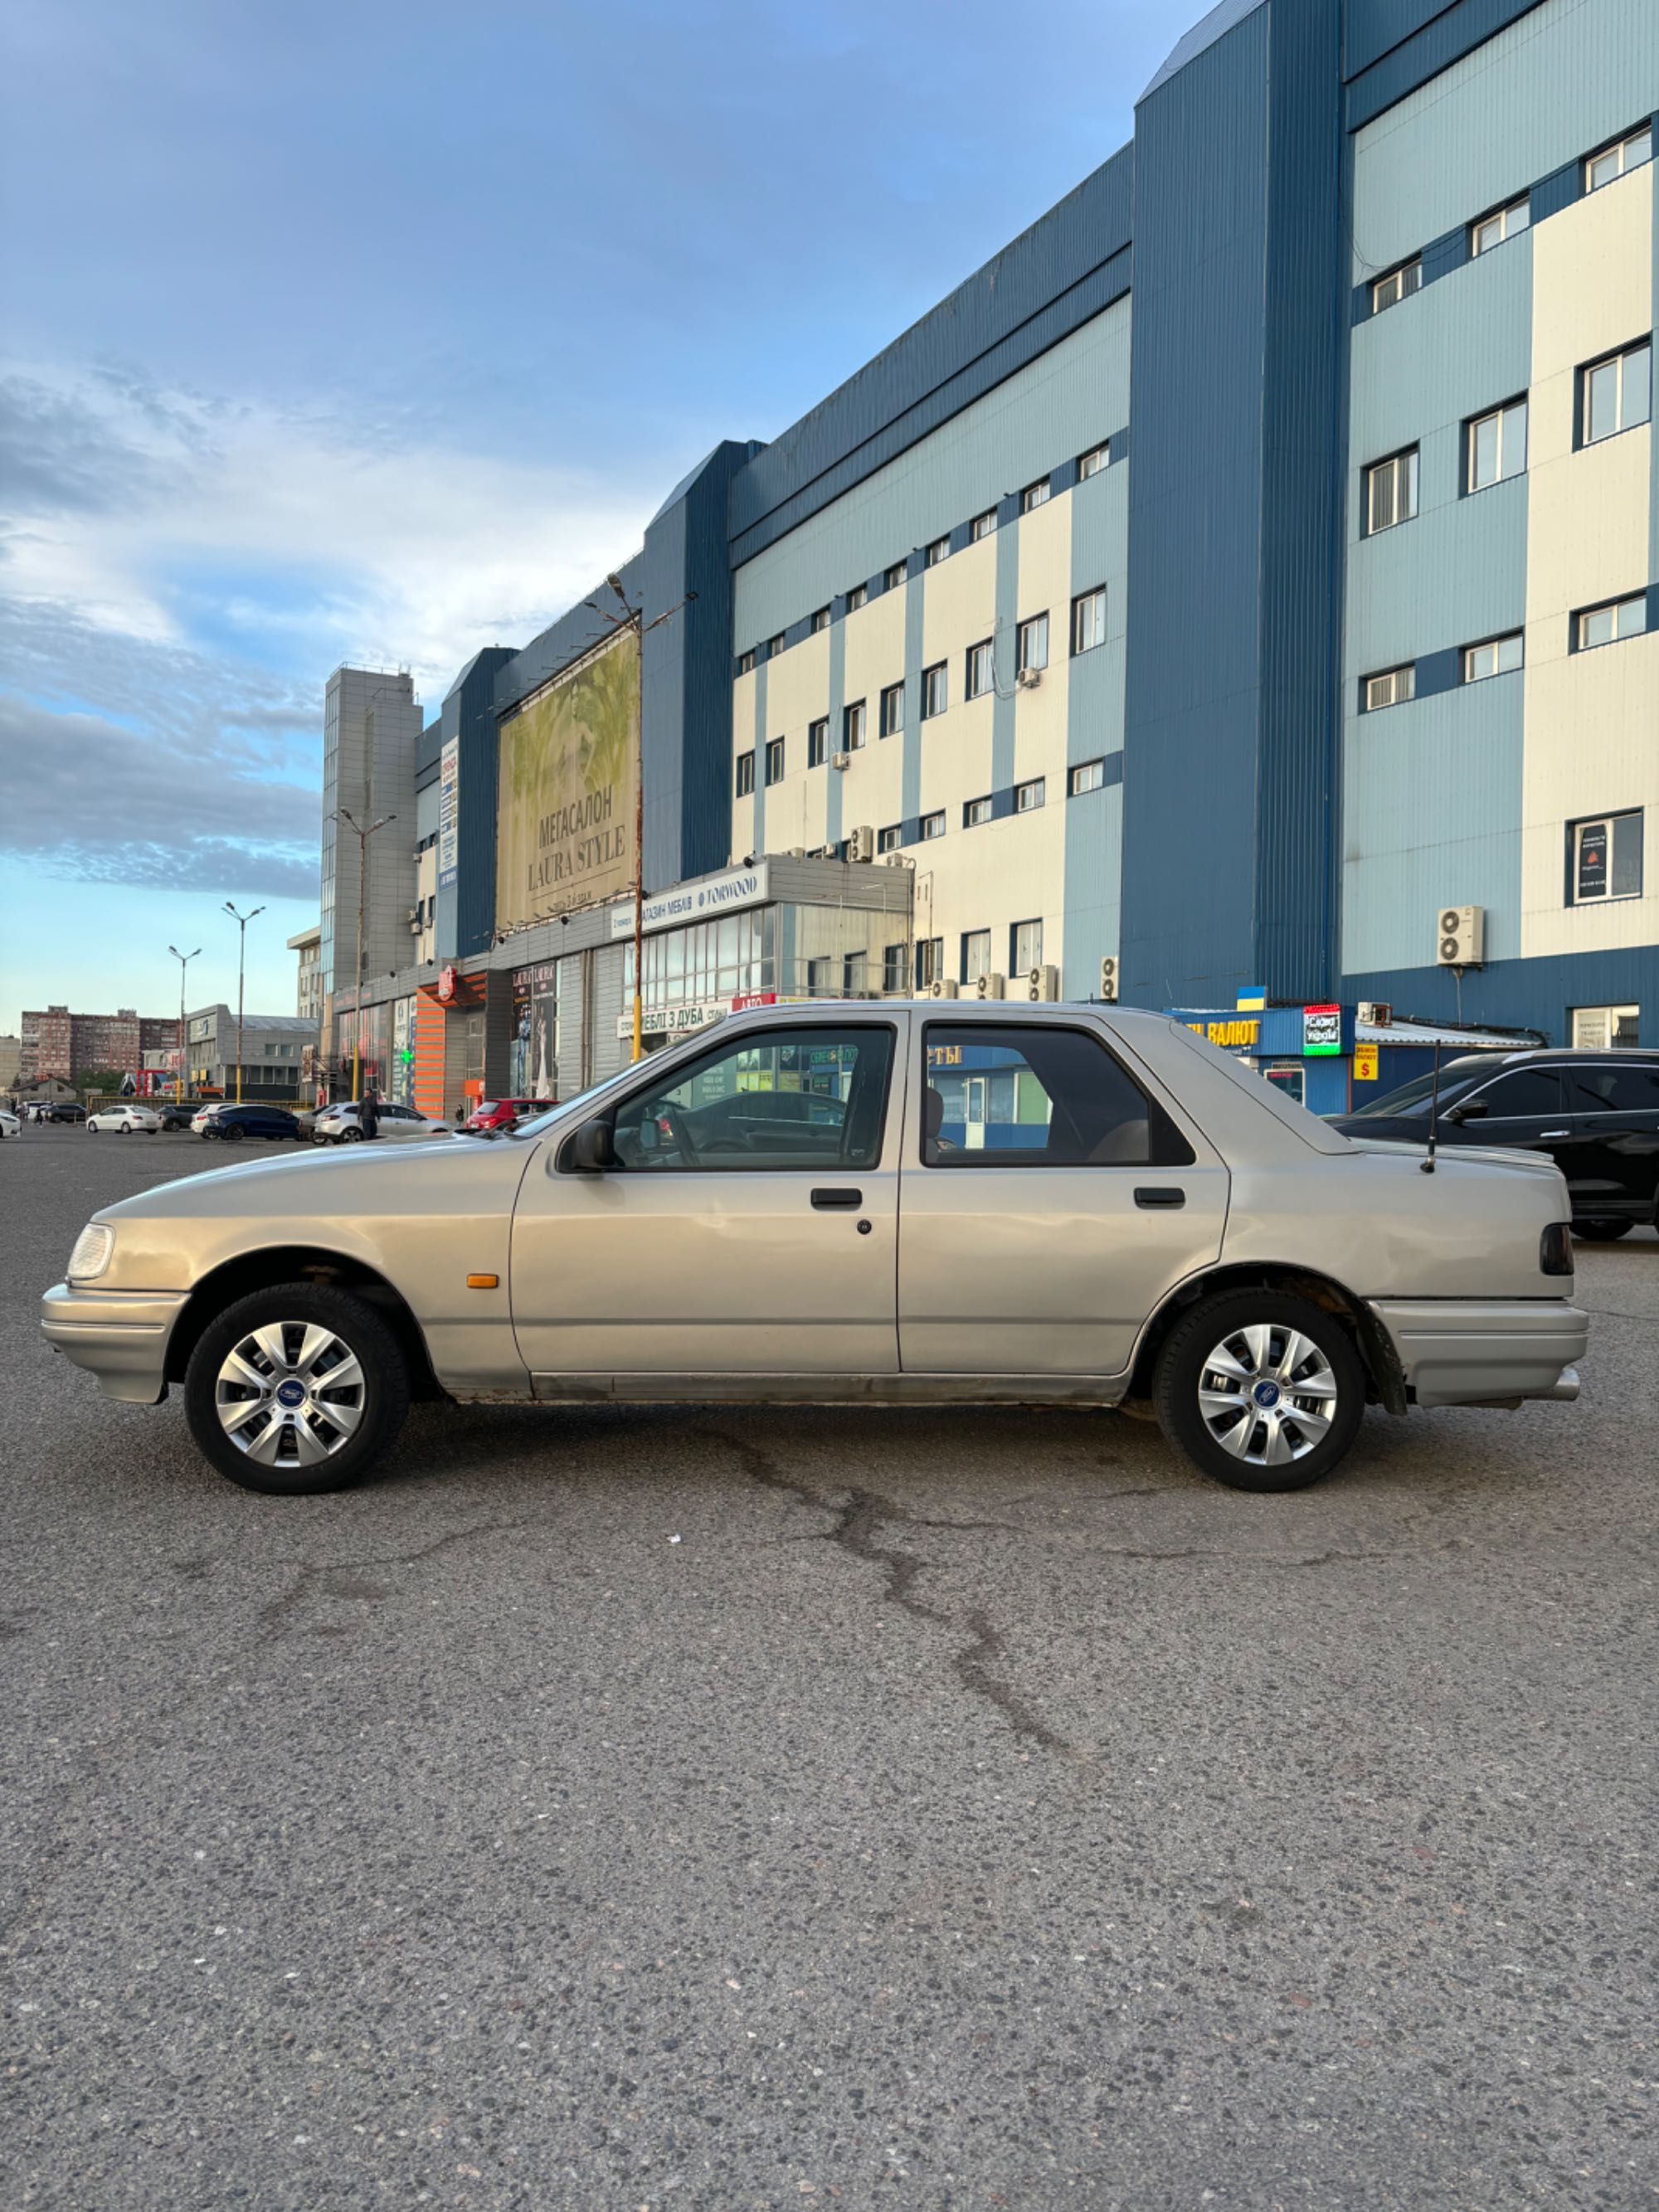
(290, 1393)
(1267, 1394)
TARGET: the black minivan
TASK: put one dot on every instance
(1596, 1114)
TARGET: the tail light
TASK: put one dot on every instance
(1555, 1249)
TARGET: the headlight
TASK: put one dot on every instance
(91, 1255)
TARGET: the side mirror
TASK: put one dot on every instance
(1476, 1110)
(592, 1148)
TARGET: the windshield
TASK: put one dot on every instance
(1415, 1098)
(582, 1098)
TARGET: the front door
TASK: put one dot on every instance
(1038, 1239)
(748, 1226)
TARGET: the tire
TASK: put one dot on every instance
(231, 1356)
(1199, 1425)
(1603, 1231)
(232, 1135)
(350, 1136)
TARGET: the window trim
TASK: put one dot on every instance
(970, 690)
(898, 573)
(925, 836)
(775, 751)
(1024, 631)
(1028, 921)
(895, 727)
(982, 526)
(1501, 213)
(1076, 790)
(1099, 456)
(857, 595)
(1586, 370)
(963, 979)
(1373, 470)
(969, 819)
(817, 742)
(746, 786)
(1035, 495)
(1500, 415)
(1081, 600)
(1406, 668)
(746, 662)
(937, 552)
(849, 744)
(891, 837)
(1616, 145)
(1037, 783)
(775, 645)
(1401, 270)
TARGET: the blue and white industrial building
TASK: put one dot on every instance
(1248, 577)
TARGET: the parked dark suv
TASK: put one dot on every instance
(1596, 1114)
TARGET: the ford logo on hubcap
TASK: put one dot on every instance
(1265, 1395)
(291, 1394)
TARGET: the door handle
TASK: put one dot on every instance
(1553, 1136)
(832, 1200)
(1155, 1196)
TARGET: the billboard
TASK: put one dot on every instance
(564, 820)
(449, 813)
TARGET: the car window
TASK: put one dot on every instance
(814, 1099)
(1414, 1097)
(1031, 1095)
(1612, 1089)
(1527, 1090)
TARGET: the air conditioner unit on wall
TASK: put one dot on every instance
(1376, 1013)
(1042, 983)
(1109, 979)
(1459, 937)
(1028, 680)
(943, 987)
(861, 843)
(842, 760)
(991, 987)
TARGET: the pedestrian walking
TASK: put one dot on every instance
(369, 1115)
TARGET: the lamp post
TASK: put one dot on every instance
(363, 836)
(183, 960)
(241, 922)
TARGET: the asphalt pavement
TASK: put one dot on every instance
(726, 1809)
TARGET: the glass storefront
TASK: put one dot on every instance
(400, 1081)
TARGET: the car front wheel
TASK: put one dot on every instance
(1261, 1389)
(296, 1389)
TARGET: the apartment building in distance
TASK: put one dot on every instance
(67, 1047)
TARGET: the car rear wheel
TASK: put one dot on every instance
(296, 1389)
(351, 1136)
(1260, 1389)
(1601, 1232)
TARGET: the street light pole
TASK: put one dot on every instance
(363, 836)
(183, 960)
(241, 922)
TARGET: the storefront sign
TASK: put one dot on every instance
(1232, 1036)
(738, 887)
(1365, 1063)
(673, 1021)
(449, 813)
(1321, 1030)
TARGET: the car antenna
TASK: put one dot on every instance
(1427, 1165)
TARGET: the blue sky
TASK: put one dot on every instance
(375, 333)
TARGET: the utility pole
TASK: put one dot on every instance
(183, 960)
(362, 838)
(241, 922)
(632, 617)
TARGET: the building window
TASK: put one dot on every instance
(1495, 656)
(818, 742)
(982, 526)
(1615, 161)
(1087, 776)
(1028, 797)
(1399, 285)
(1089, 620)
(981, 672)
(1605, 858)
(1607, 625)
(930, 961)
(975, 812)
(1598, 1028)
(932, 825)
(895, 961)
(890, 838)
(851, 727)
(1390, 491)
(775, 646)
(892, 710)
(820, 620)
(1091, 463)
(1025, 947)
(1496, 445)
(937, 551)
(895, 576)
(746, 662)
(1391, 687)
(1033, 495)
(1615, 394)
(1033, 645)
(745, 773)
(857, 597)
(774, 760)
(935, 690)
(1502, 222)
(975, 954)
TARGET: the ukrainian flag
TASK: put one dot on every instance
(1252, 998)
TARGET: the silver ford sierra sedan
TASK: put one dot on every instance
(856, 1202)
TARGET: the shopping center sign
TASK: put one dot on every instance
(693, 903)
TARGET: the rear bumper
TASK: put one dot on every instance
(119, 1336)
(1459, 1351)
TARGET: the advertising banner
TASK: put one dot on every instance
(449, 813)
(692, 903)
(564, 820)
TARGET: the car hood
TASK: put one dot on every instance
(366, 1178)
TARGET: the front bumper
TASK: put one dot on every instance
(1461, 1352)
(119, 1336)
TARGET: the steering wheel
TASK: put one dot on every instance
(679, 1130)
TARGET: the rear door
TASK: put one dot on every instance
(1610, 1156)
(1049, 1201)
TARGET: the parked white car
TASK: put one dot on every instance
(10, 1124)
(122, 1120)
(199, 1121)
(338, 1125)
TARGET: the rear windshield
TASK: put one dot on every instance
(1416, 1097)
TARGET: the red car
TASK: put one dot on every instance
(503, 1113)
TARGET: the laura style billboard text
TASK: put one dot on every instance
(564, 824)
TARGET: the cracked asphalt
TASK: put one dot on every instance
(731, 1809)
